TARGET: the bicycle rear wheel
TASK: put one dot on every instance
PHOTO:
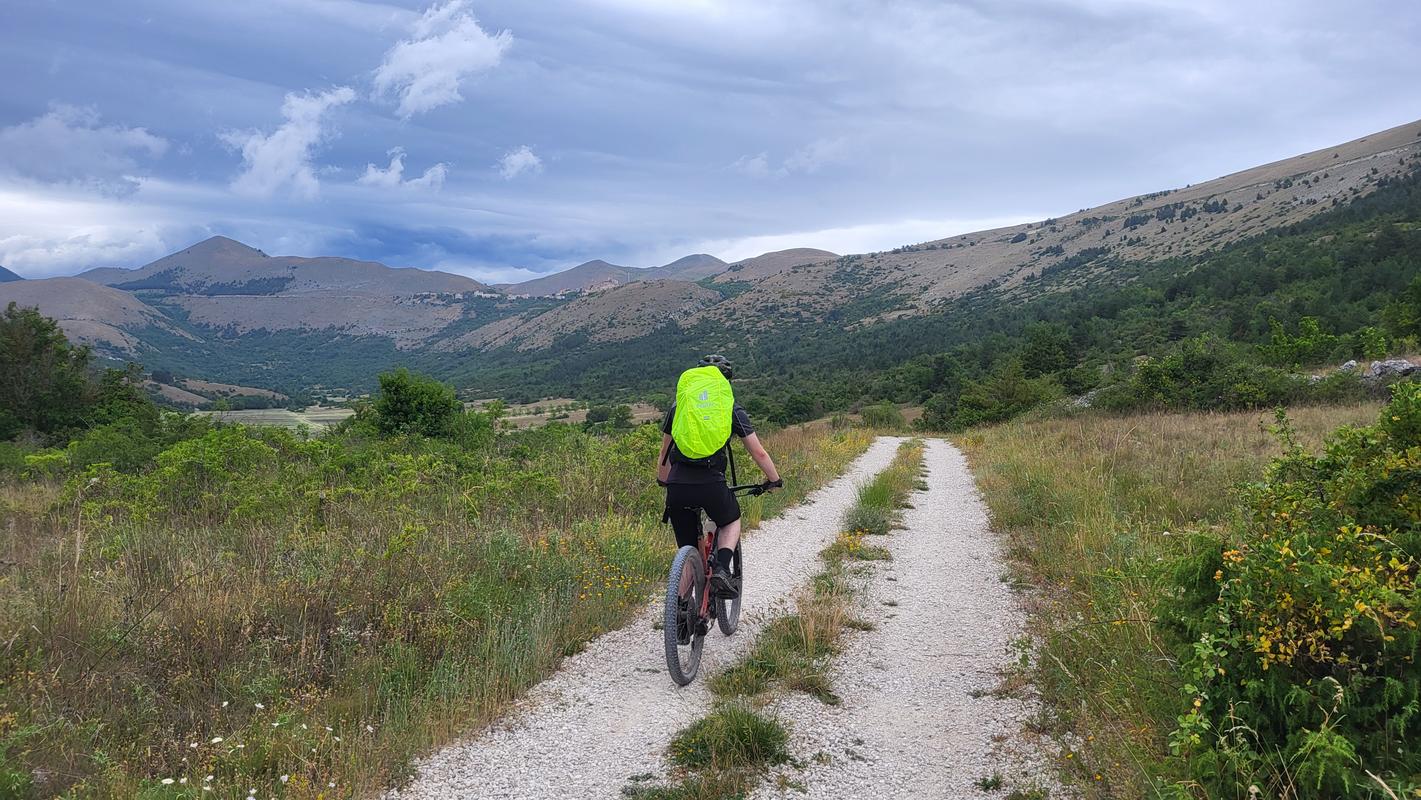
(683, 661)
(728, 613)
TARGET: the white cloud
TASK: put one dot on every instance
(447, 46)
(518, 161)
(393, 175)
(69, 145)
(806, 160)
(810, 158)
(757, 166)
(283, 158)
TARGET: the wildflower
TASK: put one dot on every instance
(224, 703)
(217, 740)
(285, 778)
(208, 779)
(192, 745)
(259, 705)
(167, 781)
(369, 729)
(182, 780)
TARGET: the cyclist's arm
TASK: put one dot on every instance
(762, 458)
(663, 464)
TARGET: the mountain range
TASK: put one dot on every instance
(223, 311)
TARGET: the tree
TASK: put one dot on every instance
(598, 414)
(44, 381)
(621, 416)
(415, 404)
(1048, 349)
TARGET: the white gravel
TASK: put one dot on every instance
(919, 718)
(610, 711)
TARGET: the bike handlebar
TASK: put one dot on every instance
(752, 489)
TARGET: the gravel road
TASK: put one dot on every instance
(919, 717)
(608, 714)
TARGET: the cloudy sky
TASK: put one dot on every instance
(504, 138)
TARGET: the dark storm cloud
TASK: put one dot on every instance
(502, 138)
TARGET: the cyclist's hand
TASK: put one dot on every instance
(660, 482)
(778, 483)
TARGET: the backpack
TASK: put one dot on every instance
(705, 409)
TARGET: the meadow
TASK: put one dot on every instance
(255, 608)
(1116, 523)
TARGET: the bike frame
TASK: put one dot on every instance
(708, 539)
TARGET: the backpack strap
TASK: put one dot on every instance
(730, 453)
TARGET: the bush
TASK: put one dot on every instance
(418, 404)
(123, 445)
(883, 415)
(868, 519)
(1201, 374)
(1302, 628)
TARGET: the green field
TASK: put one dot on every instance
(317, 418)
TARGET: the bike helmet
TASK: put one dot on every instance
(720, 362)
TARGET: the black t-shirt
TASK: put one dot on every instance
(711, 469)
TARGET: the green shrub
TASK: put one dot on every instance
(1302, 628)
(123, 445)
(410, 403)
(883, 415)
(1206, 373)
(868, 519)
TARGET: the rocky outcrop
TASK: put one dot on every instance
(1390, 368)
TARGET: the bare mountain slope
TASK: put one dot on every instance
(618, 314)
(222, 266)
(224, 284)
(6, 276)
(767, 264)
(596, 276)
(687, 268)
(104, 318)
(587, 277)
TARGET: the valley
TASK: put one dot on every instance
(224, 311)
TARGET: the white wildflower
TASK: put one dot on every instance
(259, 705)
(167, 781)
(285, 778)
(217, 740)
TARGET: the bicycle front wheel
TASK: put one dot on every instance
(683, 615)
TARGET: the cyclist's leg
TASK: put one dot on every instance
(722, 507)
(685, 521)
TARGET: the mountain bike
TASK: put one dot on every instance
(686, 624)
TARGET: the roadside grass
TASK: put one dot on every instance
(305, 616)
(1090, 506)
(725, 754)
(734, 736)
(877, 510)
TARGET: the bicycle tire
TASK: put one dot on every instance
(728, 618)
(684, 661)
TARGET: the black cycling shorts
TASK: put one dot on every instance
(684, 499)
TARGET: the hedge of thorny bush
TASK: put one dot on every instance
(1300, 671)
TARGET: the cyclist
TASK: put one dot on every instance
(693, 484)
